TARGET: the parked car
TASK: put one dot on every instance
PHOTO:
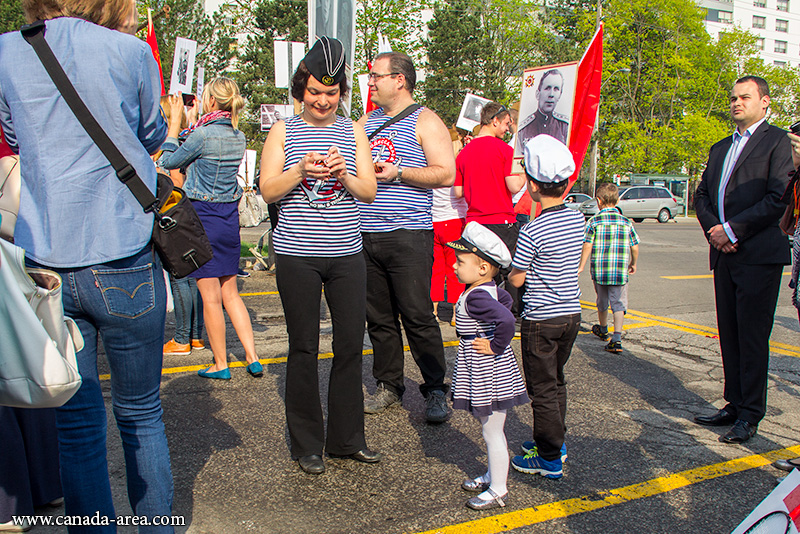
(574, 200)
(640, 202)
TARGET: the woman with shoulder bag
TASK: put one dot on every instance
(78, 219)
(212, 154)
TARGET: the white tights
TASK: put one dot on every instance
(497, 451)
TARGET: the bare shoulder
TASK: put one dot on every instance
(429, 124)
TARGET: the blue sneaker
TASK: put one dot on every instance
(530, 463)
(529, 447)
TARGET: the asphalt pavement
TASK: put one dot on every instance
(636, 461)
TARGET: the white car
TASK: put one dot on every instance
(640, 202)
(574, 200)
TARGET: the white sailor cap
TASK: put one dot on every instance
(548, 160)
(484, 243)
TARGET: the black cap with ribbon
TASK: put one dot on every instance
(325, 61)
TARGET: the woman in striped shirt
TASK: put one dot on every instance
(315, 165)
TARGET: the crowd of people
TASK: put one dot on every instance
(389, 215)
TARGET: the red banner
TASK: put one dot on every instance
(587, 101)
(151, 40)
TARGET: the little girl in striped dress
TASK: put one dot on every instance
(486, 378)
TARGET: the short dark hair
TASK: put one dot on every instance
(550, 189)
(300, 81)
(402, 64)
(492, 110)
(763, 86)
(548, 73)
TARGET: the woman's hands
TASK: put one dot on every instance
(322, 166)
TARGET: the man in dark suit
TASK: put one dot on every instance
(738, 204)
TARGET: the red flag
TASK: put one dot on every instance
(151, 40)
(587, 101)
(370, 106)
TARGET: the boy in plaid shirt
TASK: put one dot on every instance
(611, 242)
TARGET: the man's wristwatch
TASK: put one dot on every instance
(399, 177)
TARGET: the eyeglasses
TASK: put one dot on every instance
(372, 76)
(502, 109)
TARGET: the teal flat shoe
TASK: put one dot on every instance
(225, 374)
(255, 369)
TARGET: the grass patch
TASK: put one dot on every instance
(245, 253)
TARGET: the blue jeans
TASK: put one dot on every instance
(124, 301)
(188, 309)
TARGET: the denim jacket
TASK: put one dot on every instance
(212, 154)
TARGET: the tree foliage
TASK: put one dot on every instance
(11, 16)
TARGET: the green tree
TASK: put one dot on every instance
(271, 19)
(457, 50)
(11, 16)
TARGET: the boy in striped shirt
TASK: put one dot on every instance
(613, 246)
(546, 262)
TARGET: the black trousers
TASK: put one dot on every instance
(399, 288)
(300, 281)
(546, 346)
(509, 234)
(746, 296)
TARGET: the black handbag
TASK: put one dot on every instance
(178, 234)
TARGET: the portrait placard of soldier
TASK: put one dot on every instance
(183, 66)
(548, 94)
(470, 115)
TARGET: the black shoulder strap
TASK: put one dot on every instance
(34, 34)
(400, 116)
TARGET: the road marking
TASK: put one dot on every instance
(644, 320)
(602, 499)
(258, 293)
(699, 276)
(697, 329)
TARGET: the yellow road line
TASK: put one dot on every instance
(699, 276)
(602, 499)
(264, 361)
(698, 329)
(258, 293)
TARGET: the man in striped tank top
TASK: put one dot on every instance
(412, 155)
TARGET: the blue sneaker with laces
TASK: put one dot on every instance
(536, 465)
(529, 447)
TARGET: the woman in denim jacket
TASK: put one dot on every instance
(212, 154)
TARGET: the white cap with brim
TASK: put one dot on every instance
(548, 160)
(484, 243)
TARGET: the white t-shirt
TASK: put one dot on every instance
(446, 206)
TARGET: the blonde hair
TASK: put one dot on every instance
(607, 193)
(226, 93)
(166, 111)
(112, 14)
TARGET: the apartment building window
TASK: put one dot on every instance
(779, 63)
(759, 22)
(726, 17)
(780, 47)
(783, 5)
(760, 43)
(760, 3)
(782, 26)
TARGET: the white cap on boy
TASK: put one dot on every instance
(484, 243)
(548, 160)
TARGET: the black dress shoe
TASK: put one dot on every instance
(312, 464)
(721, 418)
(740, 432)
(364, 455)
(787, 465)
